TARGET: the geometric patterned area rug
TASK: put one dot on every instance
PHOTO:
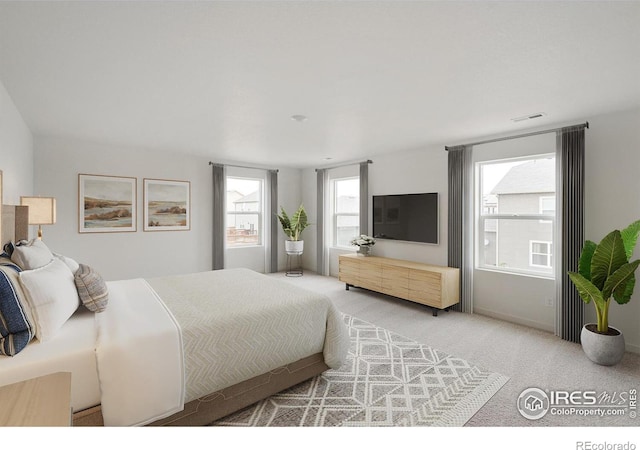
(387, 380)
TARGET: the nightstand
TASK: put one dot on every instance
(39, 402)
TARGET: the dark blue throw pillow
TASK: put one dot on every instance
(15, 330)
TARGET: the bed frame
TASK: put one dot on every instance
(205, 410)
(15, 223)
(208, 409)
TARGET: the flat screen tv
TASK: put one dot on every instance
(406, 217)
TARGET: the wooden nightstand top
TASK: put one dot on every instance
(39, 402)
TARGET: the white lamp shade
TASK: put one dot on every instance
(42, 210)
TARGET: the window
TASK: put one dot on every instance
(540, 254)
(548, 205)
(346, 211)
(516, 213)
(244, 212)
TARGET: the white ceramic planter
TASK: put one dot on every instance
(294, 247)
(364, 250)
(602, 349)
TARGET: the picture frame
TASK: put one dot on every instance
(167, 205)
(107, 204)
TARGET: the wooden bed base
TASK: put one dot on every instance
(212, 407)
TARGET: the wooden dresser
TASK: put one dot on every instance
(435, 286)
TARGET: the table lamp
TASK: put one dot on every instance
(42, 211)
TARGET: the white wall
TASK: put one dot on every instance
(139, 254)
(411, 172)
(16, 151)
(612, 199)
(133, 254)
(309, 185)
(405, 172)
(290, 197)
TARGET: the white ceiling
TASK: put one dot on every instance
(222, 79)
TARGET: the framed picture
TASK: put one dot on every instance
(106, 204)
(167, 205)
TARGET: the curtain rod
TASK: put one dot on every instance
(534, 133)
(368, 161)
(211, 163)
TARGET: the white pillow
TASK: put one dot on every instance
(71, 263)
(52, 295)
(31, 255)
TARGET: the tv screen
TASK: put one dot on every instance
(406, 217)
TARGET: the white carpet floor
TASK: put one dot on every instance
(530, 357)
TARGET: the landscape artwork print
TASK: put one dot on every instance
(166, 205)
(106, 204)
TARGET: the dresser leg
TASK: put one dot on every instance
(346, 286)
(435, 312)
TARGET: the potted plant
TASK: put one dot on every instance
(364, 244)
(604, 272)
(293, 228)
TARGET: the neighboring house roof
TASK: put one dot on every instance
(534, 176)
(249, 198)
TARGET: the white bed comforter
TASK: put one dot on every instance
(139, 356)
(210, 330)
(237, 324)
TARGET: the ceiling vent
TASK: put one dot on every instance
(529, 117)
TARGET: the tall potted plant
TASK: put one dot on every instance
(293, 228)
(604, 272)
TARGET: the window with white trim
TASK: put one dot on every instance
(245, 212)
(345, 210)
(548, 205)
(515, 215)
(540, 253)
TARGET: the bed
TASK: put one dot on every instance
(186, 349)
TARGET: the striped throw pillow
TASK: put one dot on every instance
(16, 330)
(92, 289)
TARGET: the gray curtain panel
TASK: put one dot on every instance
(364, 197)
(272, 181)
(460, 222)
(570, 229)
(320, 207)
(218, 215)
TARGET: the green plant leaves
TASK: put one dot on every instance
(587, 290)
(285, 222)
(623, 294)
(584, 265)
(295, 225)
(608, 257)
(604, 271)
(630, 237)
(618, 280)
